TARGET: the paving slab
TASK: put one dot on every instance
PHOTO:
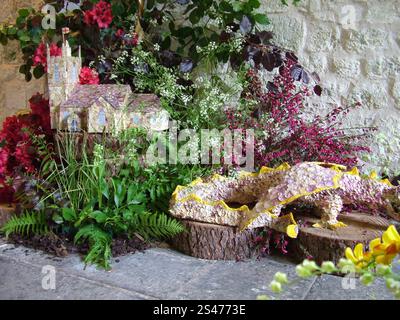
(330, 287)
(161, 274)
(20, 281)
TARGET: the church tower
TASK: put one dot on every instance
(63, 76)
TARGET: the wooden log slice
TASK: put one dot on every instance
(216, 242)
(6, 211)
(324, 244)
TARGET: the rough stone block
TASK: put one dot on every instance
(317, 62)
(383, 11)
(359, 41)
(372, 95)
(7, 11)
(289, 32)
(346, 68)
(396, 92)
(323, 37)
(382, 67)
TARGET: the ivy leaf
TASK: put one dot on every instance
(150, 4)
(169, 59)
(225, 36)
(250, 52)
(225, 6)
(28, 76)
(261, 18)
(291, 56)
(255, 4)
(186, 66)
(318, 90)
(23, 12)
(237, 6)
(38, 71)
(195, 16)
(166, 43)
(184, 32)
(269, 61)
(11, 31)
(315, 76)
(245, 25)
(3, 39)
(265, 36)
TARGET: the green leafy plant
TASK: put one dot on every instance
(26, 224)
(99, 242)
(91, 196)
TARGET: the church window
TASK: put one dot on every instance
(56, 73)
(102, 118)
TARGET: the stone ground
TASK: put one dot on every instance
(162, 274)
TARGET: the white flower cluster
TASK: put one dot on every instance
(122, 57)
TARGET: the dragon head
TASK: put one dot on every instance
(392, 197)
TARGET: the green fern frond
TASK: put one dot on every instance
(25, 224)
(154, 225)
(99, 243)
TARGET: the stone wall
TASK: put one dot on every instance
(14, 90)
(354, 46)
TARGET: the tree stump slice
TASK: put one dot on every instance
(325, 244)
(6, 211)
(216, 242)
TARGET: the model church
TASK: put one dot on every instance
(96, 108)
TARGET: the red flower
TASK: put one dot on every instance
(40, 55)
(25, 154)
(55, 51)
(40, 107)
(88, 17)
(4, 156)
(6, 192)
(88, 76)
(101, 14)
(120, 33)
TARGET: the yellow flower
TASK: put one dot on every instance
(383, 251)
(358, 257)
(391, 236)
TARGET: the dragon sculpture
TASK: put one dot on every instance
(328, 187)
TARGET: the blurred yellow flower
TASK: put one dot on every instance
(358, 256)
(381, 251)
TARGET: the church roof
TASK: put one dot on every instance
(83, 96)
(136, 100)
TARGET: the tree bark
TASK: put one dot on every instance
(216, 242)
(330, 245)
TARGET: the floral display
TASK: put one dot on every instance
(180, 68)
